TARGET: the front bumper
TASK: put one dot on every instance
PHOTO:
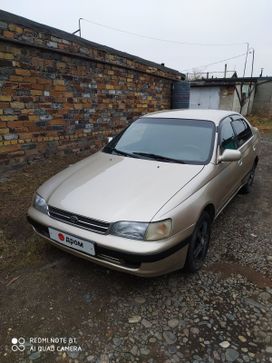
(142, 258)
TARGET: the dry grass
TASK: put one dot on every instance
(19, 246)
(263, 123)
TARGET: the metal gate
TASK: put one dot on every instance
(205, 97)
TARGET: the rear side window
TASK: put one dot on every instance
(242, 130)
(227, 135)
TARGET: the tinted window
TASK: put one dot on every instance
(185, 140)
(227, 135)
(242, 131)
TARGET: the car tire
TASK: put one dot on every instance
(247, 188)
(199, 243)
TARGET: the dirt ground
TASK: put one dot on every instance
(221, 314)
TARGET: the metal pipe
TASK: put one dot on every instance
(76, 31)
(79, 26)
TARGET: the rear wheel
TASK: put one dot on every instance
(199, 243)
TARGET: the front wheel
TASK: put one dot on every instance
(199, 244)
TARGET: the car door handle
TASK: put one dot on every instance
(240, 162)
(254, 147)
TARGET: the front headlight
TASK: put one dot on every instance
(40, 204)
(132, 230)
(142, 231)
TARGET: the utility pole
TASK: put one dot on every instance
(252, 63)
(251, 86)
(225, 70)
(247, 50)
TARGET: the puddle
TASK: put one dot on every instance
(227, 269)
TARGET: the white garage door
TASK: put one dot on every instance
(204, 97)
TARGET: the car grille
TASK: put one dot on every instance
(78, 220)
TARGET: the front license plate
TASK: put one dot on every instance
(71, 241)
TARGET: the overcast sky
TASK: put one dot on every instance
(191, 21)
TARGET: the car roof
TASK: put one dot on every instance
(211, 115)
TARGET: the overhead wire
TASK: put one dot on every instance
(174, 42)
(211, 64)
(160, 39)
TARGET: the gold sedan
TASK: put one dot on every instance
(145, 203)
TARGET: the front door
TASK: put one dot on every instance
(229, 174)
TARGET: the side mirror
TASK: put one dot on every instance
(230, 155)
(109, 139)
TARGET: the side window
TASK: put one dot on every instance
(242, 130)
(227, 137)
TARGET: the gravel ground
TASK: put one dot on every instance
(221, 314)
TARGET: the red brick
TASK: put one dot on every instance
(22, 72)
(8, 34)
(16, 153)
(15, 124)
(57, 121)
(3, 124)
(9, 148)
(16, 78)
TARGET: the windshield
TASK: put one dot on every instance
(164, 139)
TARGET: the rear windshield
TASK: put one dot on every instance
(187, 141)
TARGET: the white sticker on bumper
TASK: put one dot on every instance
(72, 242)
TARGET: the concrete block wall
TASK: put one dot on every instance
(61, 93)
(262, 104)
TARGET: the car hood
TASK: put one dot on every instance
(112, 187)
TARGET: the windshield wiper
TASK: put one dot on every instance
(124, 153)
(159, 157)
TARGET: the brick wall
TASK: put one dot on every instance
(60, 93)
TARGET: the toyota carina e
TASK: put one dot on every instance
(146, 202)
